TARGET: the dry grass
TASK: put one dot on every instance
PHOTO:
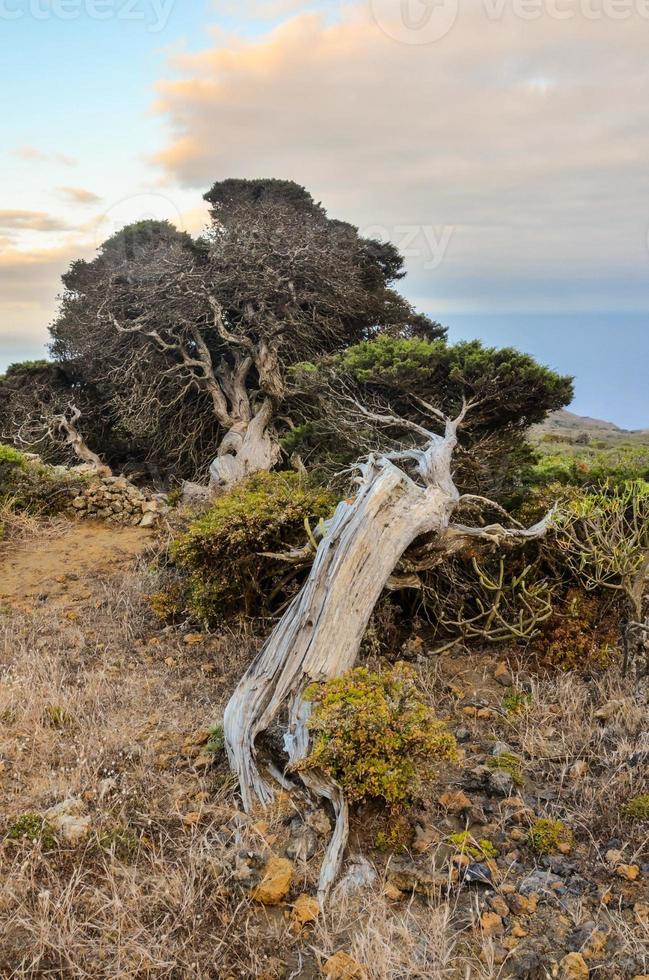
(101, 703)
(18, 526)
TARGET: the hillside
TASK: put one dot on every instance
(566, 425)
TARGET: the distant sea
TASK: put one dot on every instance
(608, 353)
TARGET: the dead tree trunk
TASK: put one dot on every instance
(68, 427)
(320, 634)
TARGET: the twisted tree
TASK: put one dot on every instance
(401, 496)
(189, 340)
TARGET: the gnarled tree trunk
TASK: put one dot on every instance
(249, 446)
(79, 446)
(320, 634)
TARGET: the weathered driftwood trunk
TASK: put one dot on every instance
(74, 439)
(320, 634)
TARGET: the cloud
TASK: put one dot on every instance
(17, 220)
(33, 154)
(520, 145)
(29, 285)
(78, 195)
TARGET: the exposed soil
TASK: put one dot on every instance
(60, 569)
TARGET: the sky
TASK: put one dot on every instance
(502, 145)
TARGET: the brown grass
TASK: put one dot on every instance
(101, 703)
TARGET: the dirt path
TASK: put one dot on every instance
(60, 570)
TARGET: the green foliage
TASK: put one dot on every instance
(508, 762)
(216, 741)
(516, 702)
(11, 458)
(375, 736)
(637, 808)
(34, 488)
(588, 465)
(57, 717)
(480, 849)
(545, 836)
(34, 828)
(121, 842)
(222, 553)
(513, 386)
(513, 392)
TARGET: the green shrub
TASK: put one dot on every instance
(480, 849)
(227, 554)
(34, 488)
(545, 836)
(637, 808)
(516, 702)
(34, 828)
(10, 459)
(373, 734)
(121, 842)
(583, 634)
(216, 742)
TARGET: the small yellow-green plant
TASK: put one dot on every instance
(516, 702)
(637, 808)
(34, 828)
(216, 741)
(480, 849)
(508, 762)
(545, 836)
(57, 717)
(375, 736)
(121, 842)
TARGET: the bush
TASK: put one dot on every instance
(34, 828)
(582, 635)
(545, 836)
(373, 734)
(637, 808)
(227, 554)
(32, 487)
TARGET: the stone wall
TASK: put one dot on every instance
(113, 498)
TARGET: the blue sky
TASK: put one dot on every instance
(506, 157)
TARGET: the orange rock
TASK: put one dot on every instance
(491, 924)
(574, 967)
(524, 905)
(500, 906)
(305, 909)
(392, 893)
(486, 714)
(455, 801)
(641, 912)
(628, 871)
(518, 931)
(191, 819)
(341, 966)
(275, 883)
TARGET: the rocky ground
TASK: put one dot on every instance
(124, 852)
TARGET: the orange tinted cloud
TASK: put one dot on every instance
(528, 139)
(18, 220)
(78, 195)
